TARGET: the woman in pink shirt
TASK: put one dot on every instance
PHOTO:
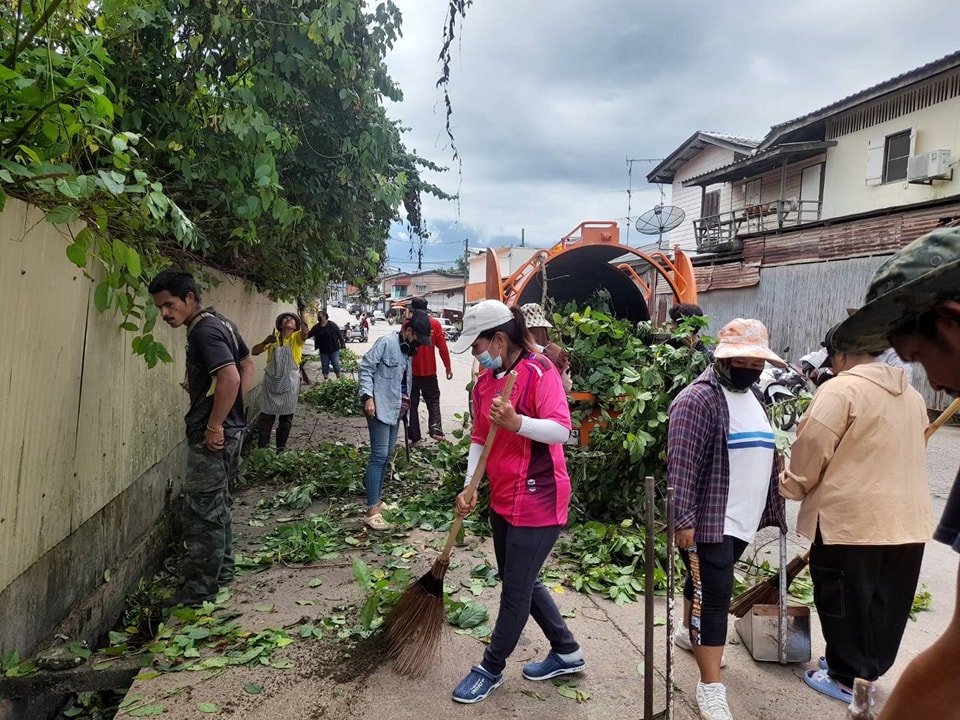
(529, 489)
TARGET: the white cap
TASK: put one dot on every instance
(485, 315)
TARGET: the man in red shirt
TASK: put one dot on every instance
(425, 378)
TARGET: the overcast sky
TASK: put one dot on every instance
(551, 98)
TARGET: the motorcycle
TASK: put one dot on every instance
(780, 386)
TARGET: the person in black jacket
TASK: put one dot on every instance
(329, 341)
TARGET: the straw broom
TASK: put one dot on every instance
(768, 591)
(413, 627)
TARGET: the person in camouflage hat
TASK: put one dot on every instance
(902, 290)
(913, 304)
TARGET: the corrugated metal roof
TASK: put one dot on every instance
(737, 139)
(665, 171)
(911, 76)
(760, 162)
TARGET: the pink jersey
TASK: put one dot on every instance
(529, 485)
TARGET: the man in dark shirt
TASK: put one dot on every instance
(329, 342)
(219, 372)
(913, 304)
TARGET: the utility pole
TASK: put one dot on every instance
(522, 236)
(466, 274)
(630, 162)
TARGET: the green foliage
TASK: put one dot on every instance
(921, 601)
(12, 666)
(634, 380)
(349, 361)
(330, 469)
(254, 140)
(212, 643)
(339, 397)
(607, 559)
(384, 586)
(304, 541)
(94, 705)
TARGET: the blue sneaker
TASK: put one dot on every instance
(476, 685)
(552, 666)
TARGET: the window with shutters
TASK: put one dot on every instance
(896, 151)
(887, 157)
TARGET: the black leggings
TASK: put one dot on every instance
(521, 552)
(709, 585)
(265, 425)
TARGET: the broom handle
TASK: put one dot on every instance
(944, 416)
(478, 471)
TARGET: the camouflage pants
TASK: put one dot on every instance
(206, 519)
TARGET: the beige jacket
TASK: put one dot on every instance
(859, 461)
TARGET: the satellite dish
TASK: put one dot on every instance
(663, 218)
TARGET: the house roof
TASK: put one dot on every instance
(666, 170)
(761, 162)
(784, 131)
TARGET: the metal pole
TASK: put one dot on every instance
(783, 598)
(648, 608)
(466, 275)
(671, 569)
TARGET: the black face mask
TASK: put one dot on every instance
(742, 378)
(409, 347)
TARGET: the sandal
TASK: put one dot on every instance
(376, 522)
(823, 683)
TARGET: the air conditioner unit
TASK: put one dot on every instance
(929, 166)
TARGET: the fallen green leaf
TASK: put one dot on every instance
(207, 707)
(147, 710)
(253, 688)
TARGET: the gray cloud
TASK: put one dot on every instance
(551, 98)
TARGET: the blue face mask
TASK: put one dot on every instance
(488, 362)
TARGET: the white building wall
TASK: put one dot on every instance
(689, 198)
(845, 189)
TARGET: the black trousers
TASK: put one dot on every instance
(265, 425)
(429, 387)
(708, 586)
(520, 553)
(863, 595)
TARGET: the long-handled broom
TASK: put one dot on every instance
(412, 629)
(767, 592)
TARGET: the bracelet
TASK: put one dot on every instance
(215, 431)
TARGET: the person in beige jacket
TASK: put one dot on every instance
(858, 465)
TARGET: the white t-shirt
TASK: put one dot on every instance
(751, 446)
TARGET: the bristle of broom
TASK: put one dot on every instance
(422, 647)
(412, 629)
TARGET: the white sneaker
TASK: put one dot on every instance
(681, 638)
(712, 701)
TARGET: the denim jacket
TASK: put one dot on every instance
(383, 370)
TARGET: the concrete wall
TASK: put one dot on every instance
(91, 440)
